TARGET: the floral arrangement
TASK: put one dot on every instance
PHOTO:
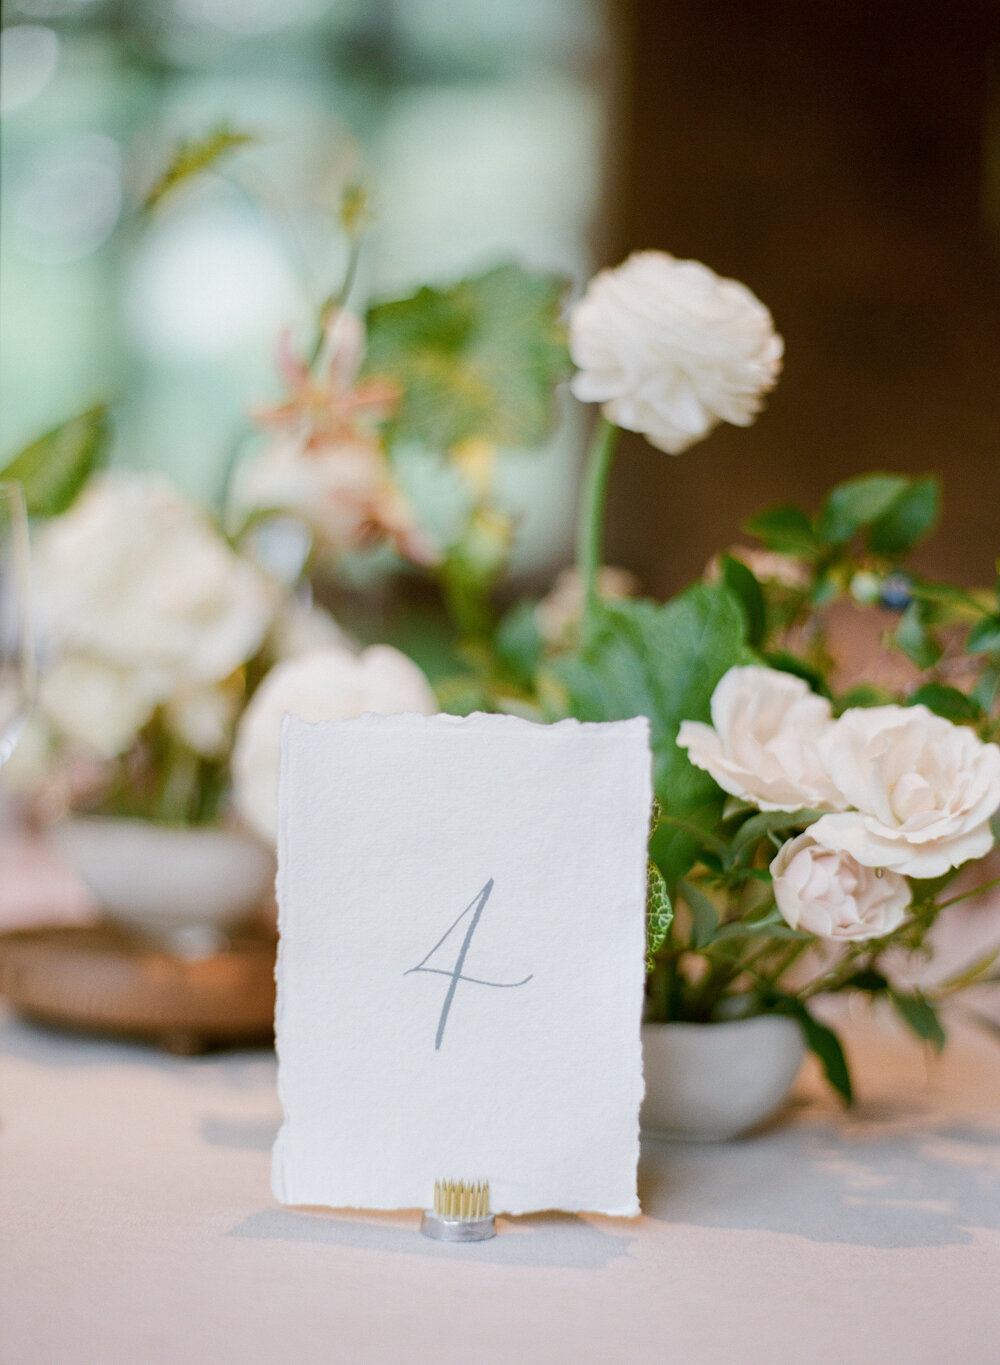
(808, 826)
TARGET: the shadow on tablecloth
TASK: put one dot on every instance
(547, 1239)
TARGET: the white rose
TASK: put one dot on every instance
(827, 892)
(923, 790)
(327, 684)
(670, 349)
(133, 583)
(763, 743)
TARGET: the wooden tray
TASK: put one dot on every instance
(104, 980)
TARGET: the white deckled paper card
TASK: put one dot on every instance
(461, 962)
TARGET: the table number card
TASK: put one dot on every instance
(460, 969)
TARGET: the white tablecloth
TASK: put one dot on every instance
(136, 1225)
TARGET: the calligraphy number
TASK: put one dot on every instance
(475, 909)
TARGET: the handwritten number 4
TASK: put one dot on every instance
(475, 908)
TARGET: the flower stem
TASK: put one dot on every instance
(967, 895)
(590, 532)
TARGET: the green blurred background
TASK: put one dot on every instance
(842, 159)
(478, 129)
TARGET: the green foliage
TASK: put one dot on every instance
(945, 701)
(865, 694)
(892, 511)
(907, 519)
(194, 156)
(659, 914)
(663, 662)
(54, 468)
(518, 641)
(984, 637)
(704, 916)
(914, 639)
(747, 591)
(987, 689)
(785, 662)
(786, 530)
(866, 980)
(857, 503)
(919, 1014)
(822, 1041)
(770, 822)
(478, 360)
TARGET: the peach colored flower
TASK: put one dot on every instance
(923, 790)
(763, 743)
(828, 893)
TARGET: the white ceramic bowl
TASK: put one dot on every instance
(160, 878)
(707, 1082)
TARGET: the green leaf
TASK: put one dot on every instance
(772, 821)
(791, 663)
(865, 694)
(822, 1041)
(54, 468)
(857, 503)
(786, 529)
(987, 688)
(921, 1016)
(945, 701)
(193, 156)
(747, 591)
(984, 637)
(771, 927)
(947, 595)
(518, 641)
(704, 916)
(659, 914)
(478, 360)
(867, 980)
(913, 640)
(675, 850)
(662, 662)
(907, 520)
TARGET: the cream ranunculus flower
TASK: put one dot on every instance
(763, 743)
(139, 599)
(827, 892)
(923, 790)
(670, 349)
(327, 684)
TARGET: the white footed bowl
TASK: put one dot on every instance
(708, 1082)
(160, 878)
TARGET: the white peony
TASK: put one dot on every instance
(139, 600)
(670, 349)
(94, 704)
(827, 892)
(764, 741)
(923, 790)
(327, 684)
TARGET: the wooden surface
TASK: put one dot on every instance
(100, 979)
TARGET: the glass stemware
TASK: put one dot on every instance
(17, 654)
